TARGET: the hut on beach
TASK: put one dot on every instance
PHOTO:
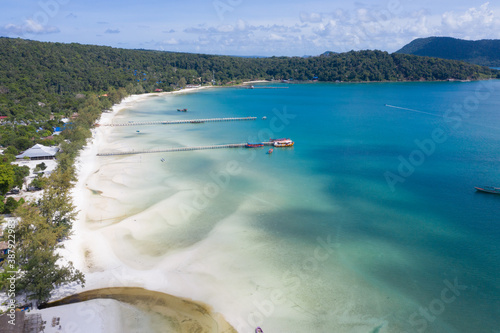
(39, 152)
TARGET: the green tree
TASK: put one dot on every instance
(10, 205)
(6, 178)
(23, 143)
(38, 181)
(11, 150)
(182, 82)
(37, 242)
(56, 206)
(20, 172)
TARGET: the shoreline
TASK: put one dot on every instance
(84, 239)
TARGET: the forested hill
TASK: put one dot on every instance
(36, 76)
(484, 52)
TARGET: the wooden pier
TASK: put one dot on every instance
(267, 87)
(169, 150)
(182, 121)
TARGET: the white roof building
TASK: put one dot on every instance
(39, 152)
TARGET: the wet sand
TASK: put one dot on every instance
(178, 314)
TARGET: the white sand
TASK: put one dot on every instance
(103, 255)
(92, 250)
(86, 164)
(114, 244)
(102, 315)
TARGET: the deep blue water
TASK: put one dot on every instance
(387, 169)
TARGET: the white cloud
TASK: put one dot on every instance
(377, 27)
(310, 17)
(241, 25)
(171, 41)
(363, 27)
(29, 27)
(475, 23)
(474, 16)
(275, 37)
(225, 28)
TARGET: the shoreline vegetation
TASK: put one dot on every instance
(41, 83)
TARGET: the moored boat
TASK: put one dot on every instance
(284, 143)
(182, 110)
(270, 151)
(254, 145)
(282, 139)
(259, 330)
(488, 189)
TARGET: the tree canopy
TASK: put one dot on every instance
(40, 78)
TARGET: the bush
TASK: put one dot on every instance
(11, 150)
(23, 143)
(38, 182)
(42, 166)
(10, 205)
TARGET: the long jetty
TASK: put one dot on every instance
(267, 88)
(168, 150)
(182, 121)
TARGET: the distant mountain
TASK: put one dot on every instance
(328, 53)
(485, 52)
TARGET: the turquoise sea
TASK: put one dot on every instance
(370, 223)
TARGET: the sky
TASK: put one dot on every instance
(249, 27)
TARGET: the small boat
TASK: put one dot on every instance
(182, 110)
(259, 330)
(254, 145)
(284, 143)
(488, 189)
(264, 118)
(270, 151)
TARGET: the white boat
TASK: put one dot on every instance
(283, 143)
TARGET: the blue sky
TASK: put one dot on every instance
(244, 27)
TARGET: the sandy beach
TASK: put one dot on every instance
(142, 225)
(91, 252)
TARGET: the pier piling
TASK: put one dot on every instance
(168, 150)
(181, 121)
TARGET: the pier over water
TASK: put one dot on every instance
(168, 150)
(182, 121)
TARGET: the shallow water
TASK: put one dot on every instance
(370, 223)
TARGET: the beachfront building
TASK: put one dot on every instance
(39, 152)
